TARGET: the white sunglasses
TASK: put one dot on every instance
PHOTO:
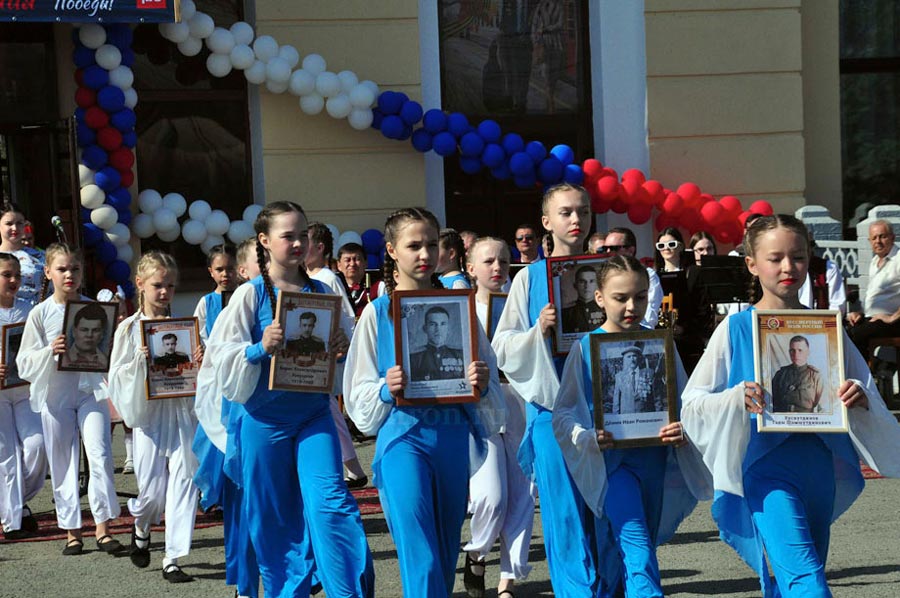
(668, 245)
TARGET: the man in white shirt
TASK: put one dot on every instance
(881, 316)
(621, 241)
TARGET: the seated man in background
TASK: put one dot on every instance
(881, 309)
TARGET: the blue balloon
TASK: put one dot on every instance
(124, 216)
(392, 127)
(119, 35)
(119, 198)
(377, 117)
(94, 157)
(107, 178)
(574, 175)
(520, 164)
(421, 140)
(106, 252)
(129, 139)
(83, 57)
(390, 102)
(124, 120)
(86, 216)
(537, 151)
(79, 114)
(374, 261)
(550, 171)
(513, 143)
(444, 143)
(128, 288)
(563, 153)
(118, 270)
(501, 173)
(85, 135)
(493, 155)
(373, 240)
(489, 131)
(111, 98)
(458, 124)
(525, 182)
(471, 144)
(470, 165)
(92, 234)
(411, 112)
(406, 133)
(127, 57)
(434, 121)
(96, 77)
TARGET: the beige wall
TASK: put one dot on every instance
(342, 176)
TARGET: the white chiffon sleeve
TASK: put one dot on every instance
(362, 382)
(523, 353)
(714, 417)
(492, 406)
(127, 375)
(235, 376)
(200, 314)
(35, 359)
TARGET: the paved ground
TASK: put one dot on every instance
(864, 561)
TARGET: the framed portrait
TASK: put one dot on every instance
(798, 357)
(496, 303)
(172, 372)
(88, 327)
(634, 385)
(436, 338)
(305, 362)
(572, 282)
(11, 341)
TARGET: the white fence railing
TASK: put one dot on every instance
(845, 255)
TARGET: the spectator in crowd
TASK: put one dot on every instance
(527, 249)
(881, 309)
(595, 242)
(702, 243)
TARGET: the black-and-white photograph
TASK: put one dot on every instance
(634, 384)
(307, 332)
(12, 340)
(572, 288)
(305, 363)
(173, 369)
(88, 327)
(436, 340)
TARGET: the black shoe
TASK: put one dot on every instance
(111, 546)
(173, 574)
(473, 577)
(29, 523)
(73, 547)
(16, 534)
(356, 483)
(140, 557)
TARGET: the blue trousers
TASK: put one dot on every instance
(424, 487)
(634, 506)
(570, 534)
(210, 470)
(241, 568)
(790, 492)
(297, 502)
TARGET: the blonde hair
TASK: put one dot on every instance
(52, 252)
(548, 197)
(149, 264)
(470, 259)
(244, 250)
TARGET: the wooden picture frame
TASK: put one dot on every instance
(172, 370)
(577, 315)
(496, 303)
(89, 336)
(634, 387)
(798, 360)
(10, 341)
(305, 361)
(428, 327)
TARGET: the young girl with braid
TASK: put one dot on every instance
(451, 262)
(69, 403)
(522, 344)
(419, 467)
(282, 446)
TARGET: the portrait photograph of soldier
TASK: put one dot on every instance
(584, 315)
(437, 360)
(798, 386)
(308, 333)
(12, 340)
(573, 286)
(173, 345)
(168, 355)
(89, 328)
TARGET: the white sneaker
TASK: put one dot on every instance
(129, 467)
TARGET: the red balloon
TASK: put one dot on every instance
(662, 221)
(630, 188)
(592, 169)
(742, 218)
(713, 213)
(121, 159)
(79, 77)
(127, 178)
(96, 118)
(723, 235)
(639, 213)
(655, 190)
(691, 220)
(735, 231)
(673, 205)
(619, 206)
(688, 191)
(608, 188)
(607, 171)
(634, 173)
(85, 98)
(109, 138)
(761, 207)
(731, 204)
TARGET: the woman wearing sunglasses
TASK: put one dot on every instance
(669, 251)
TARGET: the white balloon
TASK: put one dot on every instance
(238, 231)
(165, 30)
(362, 97)
(278, 70)
(188, 9)
(92, 35)
(201, 25)
(334, 232)
(92, 196)
(85, 175)
(122, 77)
(179, 32)
(361, 118)
(131, 98)
(243, 33)
(217, 223)
(242, 57)
(126, 253)
(199, 210)
(312, 104)
(108, 56)
(194, 232)
(119, 234)
(349, 80)
(256, 74)
(149, 200)
(169, 235)
(142, 225)
(373, 87)
(265, 47)
(164, 219)
(105, 217)
(276, 86)
(338, 106)
(328, 84)
(348, 236)
(191, 46)
(218, 65)
(220, 41)
(211, 241)
(176, 203)
(251, 212)
(302, 83)
(314, 64)
(290, 54)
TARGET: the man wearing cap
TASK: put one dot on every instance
(437, 361)
(797, 388)
(584, 315)
(634, 389)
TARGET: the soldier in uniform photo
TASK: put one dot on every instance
(90, 327)
(585, 315)
(797, 387)
(436, 361)
(633, 392)
(172, 357)
(307, 343)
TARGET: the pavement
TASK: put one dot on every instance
(864, 560)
